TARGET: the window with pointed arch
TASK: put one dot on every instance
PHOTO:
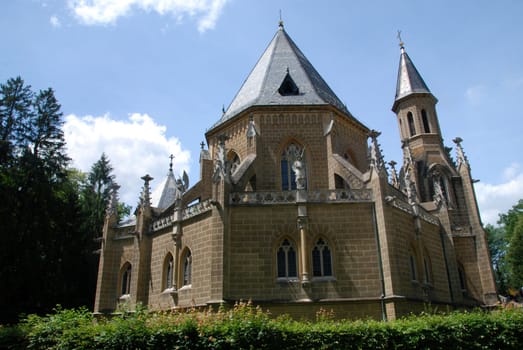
(412, 265)
(321, 259)
(286, 260)
(290, 158)
(425, 120)
(168, 269)
(427, 269)
(125, 279)
(410, 121)
(187, 268)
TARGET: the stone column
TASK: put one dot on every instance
(302, 227)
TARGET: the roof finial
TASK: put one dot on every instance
(280, 23)
(401, 41)
(171, 163)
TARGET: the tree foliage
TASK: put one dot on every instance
(506, 249)
(49, 214)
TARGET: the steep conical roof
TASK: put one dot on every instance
(282, 76)
(165, 194)
(409, 80)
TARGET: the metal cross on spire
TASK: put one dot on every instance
(399, 38)
(171, 163)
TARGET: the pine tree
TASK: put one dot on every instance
(15, 115)
(96, 195)
(39, 211)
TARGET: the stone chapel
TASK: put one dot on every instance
(296, 210)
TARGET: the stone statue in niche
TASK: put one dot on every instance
(299, 170)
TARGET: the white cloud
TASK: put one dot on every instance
(495, 199)
(55, 22)
(475, 94)
(135, 147)
(92, 12)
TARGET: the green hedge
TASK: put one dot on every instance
(246, 327)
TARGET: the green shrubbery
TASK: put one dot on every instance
(247, 327)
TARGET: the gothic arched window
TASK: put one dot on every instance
(292, 163)
(412, 265)
(427, 268)
(286, 260)
(425, 120)
(187, 268)
(126, 279)
(321, 259)
(168, 271)
(410, 120)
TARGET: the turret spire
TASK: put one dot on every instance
(409, 79)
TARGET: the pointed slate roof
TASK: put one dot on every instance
(282, 76)
(165, 194)
(409, 80)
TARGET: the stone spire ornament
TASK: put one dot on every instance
(145, 198)
(394, 175)
(376, 157)
(410, 184)
(112, 206)
(461, 158)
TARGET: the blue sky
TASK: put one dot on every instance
(141, 79)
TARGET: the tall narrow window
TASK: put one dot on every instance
(412, 263)
(424, 118)
(410, 120)
(286, 260)
(168, 271)
(126, 279)
(289, 171)
(427, 269)
(187, 268)
(321, 259)
(462, 279)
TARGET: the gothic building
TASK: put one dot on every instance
(296, 210)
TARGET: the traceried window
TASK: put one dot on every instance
(425, 120)
(292, 164)
(168, 272)
(286, 260)
(321, 259)
(187, 268)
(126, 279)
(410, 120)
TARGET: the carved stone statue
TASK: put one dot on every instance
(299, 171)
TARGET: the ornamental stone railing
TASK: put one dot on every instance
(292, 197)
(408, 208)
(187, 213)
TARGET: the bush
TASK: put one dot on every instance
(247, 327)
